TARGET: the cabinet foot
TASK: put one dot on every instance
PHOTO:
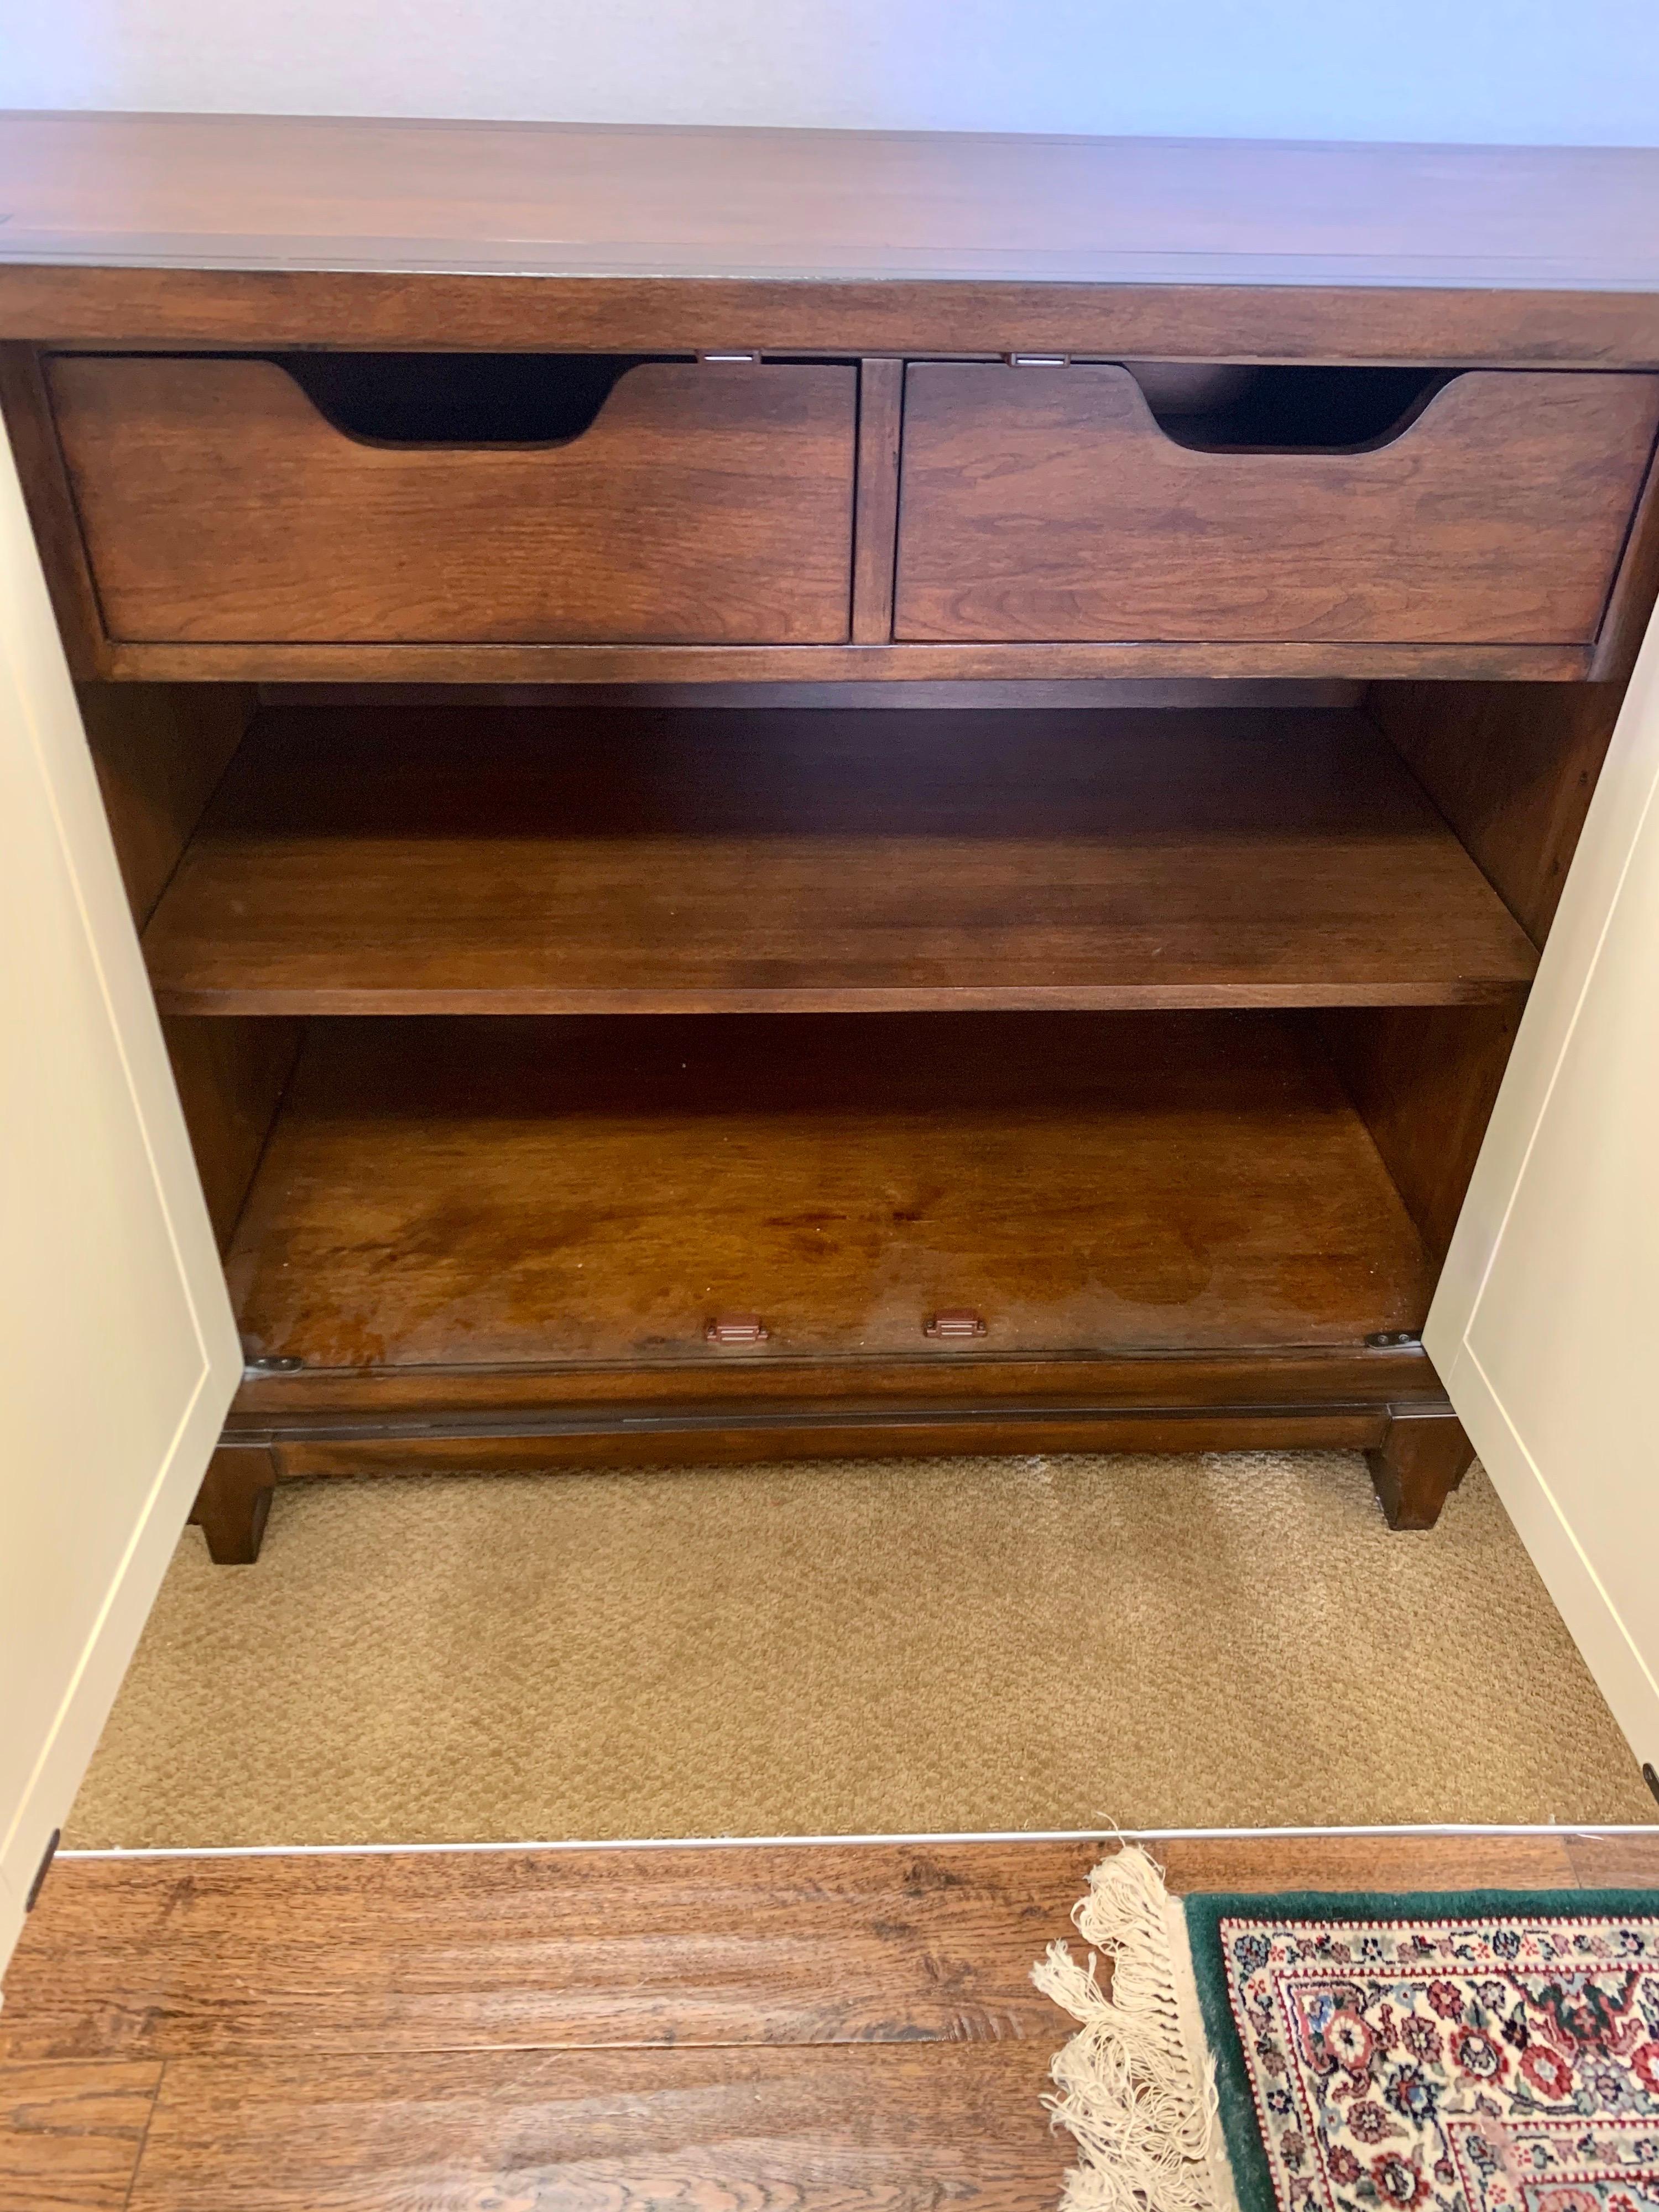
(1418, 1465)
(232, 1504)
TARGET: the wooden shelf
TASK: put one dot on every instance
(446, 1194)
(529, 861)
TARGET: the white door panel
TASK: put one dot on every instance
(1546, 1326)
(118, 1351)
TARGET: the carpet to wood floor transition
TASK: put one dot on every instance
(847, 1648)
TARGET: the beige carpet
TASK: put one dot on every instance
(844, 1648)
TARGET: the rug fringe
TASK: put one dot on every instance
(1141, 2105)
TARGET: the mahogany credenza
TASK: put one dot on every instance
(829, 792)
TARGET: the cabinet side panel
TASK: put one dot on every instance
(28, 422)
(231, 1075)
(160, 750)
(1423, 1080)
(1512, 766)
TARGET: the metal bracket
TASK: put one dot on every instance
(954, 1325)
(735, 1328)
(50, 1853)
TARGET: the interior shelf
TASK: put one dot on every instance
(439, 1193)
(518, 860)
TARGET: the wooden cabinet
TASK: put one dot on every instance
(882, 895)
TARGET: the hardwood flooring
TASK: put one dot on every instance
(70, 2135)
(814, 2026)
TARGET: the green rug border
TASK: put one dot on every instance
(1204, 1909)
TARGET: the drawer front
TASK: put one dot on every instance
(1048, 504)
(704, 503)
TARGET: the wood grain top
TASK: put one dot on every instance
(225, 191)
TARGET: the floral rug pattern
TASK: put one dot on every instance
(1456, 2065)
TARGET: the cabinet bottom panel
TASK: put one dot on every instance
(739, 1206)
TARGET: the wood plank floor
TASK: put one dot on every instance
(815, 2025)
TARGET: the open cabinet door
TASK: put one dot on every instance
(118, 1351)
(1546, 1327)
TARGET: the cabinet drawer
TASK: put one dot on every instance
(1041, 502)
(692, 502)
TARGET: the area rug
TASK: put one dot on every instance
(1484, 2052)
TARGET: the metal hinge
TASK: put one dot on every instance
(1393, 1339)
(1039, 360)
(953, 1325)
(737, 352)
(735, 1328)
(283, 1363)
(43, 1869)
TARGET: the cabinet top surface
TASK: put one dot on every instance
(325, 193)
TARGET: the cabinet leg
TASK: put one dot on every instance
(1418, 1465)
(232, 1504)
